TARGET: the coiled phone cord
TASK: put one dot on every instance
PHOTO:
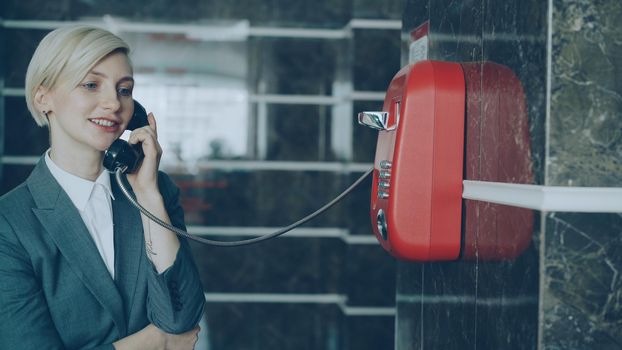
(119, 173)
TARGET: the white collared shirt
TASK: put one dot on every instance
(93, 201)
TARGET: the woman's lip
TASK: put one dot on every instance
(104, 121)
(108, 125)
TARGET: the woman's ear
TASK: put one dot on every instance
(42, 100)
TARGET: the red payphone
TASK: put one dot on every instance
(443, 122)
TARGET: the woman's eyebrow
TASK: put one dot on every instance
(100, 74)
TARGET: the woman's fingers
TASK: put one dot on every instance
(152, 124)
(147, 135)
(145, 178)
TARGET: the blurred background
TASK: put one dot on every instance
(256, 104)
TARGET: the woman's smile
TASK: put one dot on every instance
(106, 124)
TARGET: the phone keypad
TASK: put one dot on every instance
(384, 178)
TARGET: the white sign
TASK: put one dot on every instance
(418, 50)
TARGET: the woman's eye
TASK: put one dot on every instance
(125, 91)
(90, 86)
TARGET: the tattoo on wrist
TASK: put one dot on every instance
(149, 242)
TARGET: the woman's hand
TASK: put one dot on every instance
(152, 338)
(184, 341)
(149, 338)
(145, 179)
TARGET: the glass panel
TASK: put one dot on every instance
(294, 66)
(22, 136)
(22, 44)
(13, 175)
(289, 326)
(375, 63)
(195, 84)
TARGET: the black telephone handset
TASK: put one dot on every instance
(122, 155)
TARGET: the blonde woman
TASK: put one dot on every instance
(80, 268)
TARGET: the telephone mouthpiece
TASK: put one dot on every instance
(121, 155)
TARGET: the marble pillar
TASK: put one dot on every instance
(581, 257)
(564, 291)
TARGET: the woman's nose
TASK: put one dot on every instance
(110, 100)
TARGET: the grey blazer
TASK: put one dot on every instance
(55, 290)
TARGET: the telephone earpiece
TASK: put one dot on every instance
(122, 155)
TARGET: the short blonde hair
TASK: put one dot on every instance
(65, 56)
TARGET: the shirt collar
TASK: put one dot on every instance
(78, 189)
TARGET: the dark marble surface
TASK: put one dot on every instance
(581, 301)
(586, 94)
(563, 292)
(481, 303)
(581, 295)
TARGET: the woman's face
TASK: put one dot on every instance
(97, 111)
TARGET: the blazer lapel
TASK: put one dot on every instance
(62, 221)
(128, 241)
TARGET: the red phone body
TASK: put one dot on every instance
(416, 199)
(447, 122)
